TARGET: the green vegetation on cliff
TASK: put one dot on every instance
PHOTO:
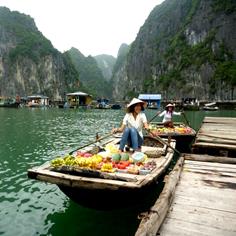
(30, 63)
(29, 41)
(185, 48)
(90, 74)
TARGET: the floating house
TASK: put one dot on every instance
(77, 99)
(153, 100)
(37, 101)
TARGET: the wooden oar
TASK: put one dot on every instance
(88, 144)
(158, 113)
(186, 119)
(158, 138)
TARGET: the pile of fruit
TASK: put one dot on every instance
(166, 130)
(109, 161)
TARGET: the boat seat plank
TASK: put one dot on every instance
(209, 159)
(210, 164)
(206, 166)
(216, 135)
(210, 172)
(215, 145)
(215, 140)
(203, 216)
(228, 185)
(204, 201)
(219, 119)
(211, 192)
(184, 228)
(214, 182)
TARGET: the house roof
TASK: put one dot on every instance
(77, 94)
(149, 96)
(37, 96)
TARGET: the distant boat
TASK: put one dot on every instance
(9, 102)
(210, 107)
(210, 104)
(116, 106)
(103, 104)
(206, 108)
(191, 104)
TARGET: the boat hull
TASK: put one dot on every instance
(210, 108)
(10, 105)
(105, 199)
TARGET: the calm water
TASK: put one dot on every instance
(30, 137)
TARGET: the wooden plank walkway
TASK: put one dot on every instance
(202, 203)
(217, 136)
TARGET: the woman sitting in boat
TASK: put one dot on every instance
(168, 114)
(132, 125)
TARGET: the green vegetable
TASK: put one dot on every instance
(124, 157)
(116, 157)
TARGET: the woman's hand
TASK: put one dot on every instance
(115, 130)
(146, 126)
(118, 130)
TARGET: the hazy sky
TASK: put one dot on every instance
(92, 26)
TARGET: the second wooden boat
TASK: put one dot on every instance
(182, 133)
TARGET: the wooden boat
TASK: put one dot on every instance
(9, 102)
(97, 189)
(116, 106)
(208, 108)
(182, 133)
(190, 104)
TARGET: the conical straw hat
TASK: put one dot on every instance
(135, 101)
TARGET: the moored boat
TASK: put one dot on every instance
(98, 187)
(210, 107)
(190, 104)
(9, 102)
(206, 108)
(116, 106)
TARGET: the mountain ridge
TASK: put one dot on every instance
(185, 48)
(29, 64)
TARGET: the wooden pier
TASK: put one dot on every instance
(199, 198)
(217, 136)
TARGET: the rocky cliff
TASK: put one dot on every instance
(106, 64)
(90, 74)
(185, 48)
(29, 64)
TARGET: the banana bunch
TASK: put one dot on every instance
(69, 160)
(107, 167)
(111, 148)
(90, 162)
(57, 162)
(83, 162)
(97, 158)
